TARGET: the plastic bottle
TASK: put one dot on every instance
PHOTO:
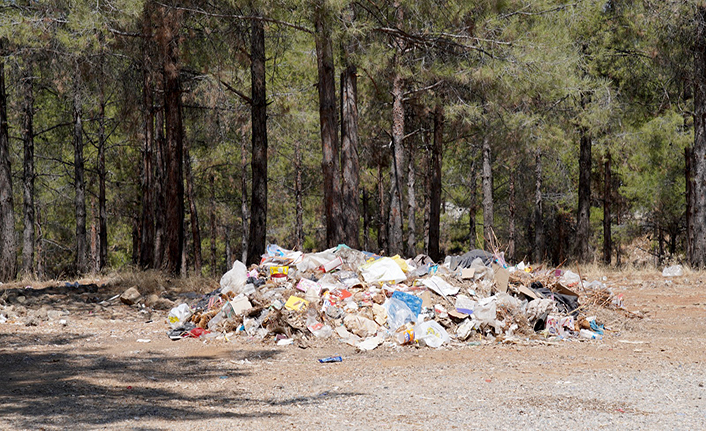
(585, 333)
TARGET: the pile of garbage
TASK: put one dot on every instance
(364, 300)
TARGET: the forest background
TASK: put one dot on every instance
(184, 135)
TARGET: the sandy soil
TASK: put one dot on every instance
(113, 367)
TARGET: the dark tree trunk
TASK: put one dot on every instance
(79, 186)
(102, 256)
(244, 214)
(214, 232)
(394, 239)
(435, 185)
(511, 216)
(298, 201)
(8, 238)
(538, 209)
(28, 175)
(328, 120)
(258, 221)
(697, 258)
(229, 250)
(426, 162)
(583, 250)
(487, 194)
(160, 176)
(147, 216)
(411, 204)
(174, 193)
(349, 156)
(193, 211)
(689, 180)
(135, 236)
(607, 190)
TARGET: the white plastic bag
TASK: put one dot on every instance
(235, 279)
(178, 316)
(431, 333)
(440, 286)
(383, 269)
(673, 271)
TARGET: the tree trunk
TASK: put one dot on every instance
(193, 210)
(487, 195)
(160, 175)
(689, 180)
(607, 190)
(538, 209)
(174, 193)
(583, 250)
(8, 238)
(214, 233)
(258, 221)
(298, 201)
(426, 162)
(229, 250)
(511, 215)
(395, 222)
(349, 156)
(328, 120)
(147, 216)
(435, 185)
(244, 215)
(79, 186)
(697, 258)
(28, 175)
(102, 256)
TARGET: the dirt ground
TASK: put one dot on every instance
(83, 365)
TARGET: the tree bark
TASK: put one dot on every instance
(538, 209)
(8, 237)
(193, 211)
(102, 257)
(174, 193)
(583, 250)
(607, 190)
(511, 215)
(258, 221)
(328, 121)
(160, 176)
(487, 194)
(79, 185)
(395, 235)
(349, 156)
(214, 232)
(366, 220)
(149, 202)
(697, 258)
(28, 175)
(689, 181)
(244, 214)
(435, 185)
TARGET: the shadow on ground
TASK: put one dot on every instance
(79, 390)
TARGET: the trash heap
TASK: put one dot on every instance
(364, 299)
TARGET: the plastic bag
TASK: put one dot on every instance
(440, 286)
(235, 279)
(673, 271)
(178, 316)
(360, 325)
(486, 311)
(383, 269)
(431, 333)
(398, 313)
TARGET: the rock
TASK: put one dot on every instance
(130, 296)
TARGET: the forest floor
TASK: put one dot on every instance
(113, 367)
